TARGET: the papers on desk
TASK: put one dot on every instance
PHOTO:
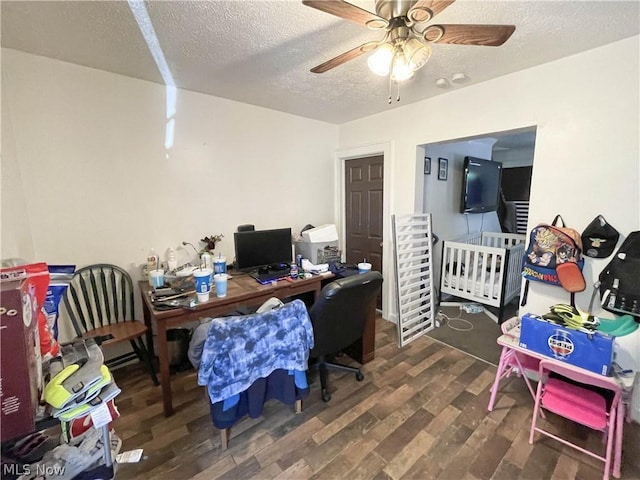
(307, 266)
(168, 299)
(190, 303)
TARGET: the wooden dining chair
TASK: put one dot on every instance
(99, 302)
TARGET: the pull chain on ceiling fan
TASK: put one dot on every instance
(406, 45)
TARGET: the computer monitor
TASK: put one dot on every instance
(263, 249)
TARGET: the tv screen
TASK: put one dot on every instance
(480, 185)
(262, 248)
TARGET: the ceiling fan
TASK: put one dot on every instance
(405, 47)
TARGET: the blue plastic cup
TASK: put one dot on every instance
(364, 267)
(157, 278)
(219, 265)
(203, 280)
(220, 280)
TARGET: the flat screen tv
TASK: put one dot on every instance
(263, 249)
(480, 185)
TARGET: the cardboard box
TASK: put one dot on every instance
(593, 352)
(20, 362)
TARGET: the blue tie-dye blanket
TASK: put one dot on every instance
(239, 350)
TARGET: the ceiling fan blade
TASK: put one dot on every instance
(342, 9)
(485, 35)
(418, 14)
(344, 57)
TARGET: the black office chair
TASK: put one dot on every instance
(99, 302)
(339, 317)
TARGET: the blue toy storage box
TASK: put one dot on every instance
(593, 352)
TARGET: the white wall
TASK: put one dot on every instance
(587, 151)
(86, 177)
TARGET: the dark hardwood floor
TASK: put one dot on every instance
(420, 413)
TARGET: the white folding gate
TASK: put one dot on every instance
(414, 275)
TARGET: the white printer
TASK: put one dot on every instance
(323, 238)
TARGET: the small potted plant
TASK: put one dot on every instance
(210, 242)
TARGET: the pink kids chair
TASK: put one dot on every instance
(579, 404)
(515, 363)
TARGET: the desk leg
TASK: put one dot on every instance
(617, 453)
(496, 382)
(147, 321)
(163, 361)
(369, 337)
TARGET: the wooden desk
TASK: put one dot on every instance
(242, 291)
(510, 343)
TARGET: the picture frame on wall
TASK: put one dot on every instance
(443, 167)
(427, 165)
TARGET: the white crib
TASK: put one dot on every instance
(484, 268)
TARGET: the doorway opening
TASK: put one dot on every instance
(342, 157)
(442, 196)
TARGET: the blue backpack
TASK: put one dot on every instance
(554, 256)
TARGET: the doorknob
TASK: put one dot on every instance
(380, 244)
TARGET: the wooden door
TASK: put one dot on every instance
(364, 211)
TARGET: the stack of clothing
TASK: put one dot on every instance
(247, 360)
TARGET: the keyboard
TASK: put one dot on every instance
(269, 277)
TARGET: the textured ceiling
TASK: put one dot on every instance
(260, 52)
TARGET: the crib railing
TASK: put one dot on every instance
(471, 271)
(502, 240)
(492, 239)
(514, 270)
(483, 267)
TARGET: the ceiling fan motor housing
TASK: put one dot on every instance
(393, 8)
(399, 32)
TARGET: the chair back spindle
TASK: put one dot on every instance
(98, 296)
(99, 303)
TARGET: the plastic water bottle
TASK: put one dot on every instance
(473, 308)
(172, 260)
(206, 261)
(152, 264)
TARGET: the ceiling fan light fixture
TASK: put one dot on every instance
(401, 69)
(380, 61)
(417, 53)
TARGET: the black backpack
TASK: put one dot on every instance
(620, 279)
